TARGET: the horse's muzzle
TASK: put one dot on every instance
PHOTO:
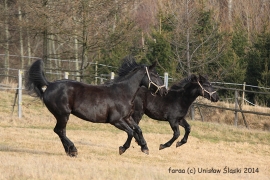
(163, 91)
(214, 98)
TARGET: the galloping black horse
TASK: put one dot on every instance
(111, 103)
(174, 106)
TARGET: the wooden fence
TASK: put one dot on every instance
(237, 103)
(237, 107)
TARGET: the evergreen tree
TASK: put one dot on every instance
(159, 49)
(258, 72)
(233, 60)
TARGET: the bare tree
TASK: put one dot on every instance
(196, 42)
(7, 36)
(21, 37)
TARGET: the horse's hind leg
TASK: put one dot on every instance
(140, 139)
(137, 134)
(123, 148)
(144, 147)
(185, 125)
(60, 130)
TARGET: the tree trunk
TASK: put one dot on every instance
(76, 56)
(7, 42)
(45, 37)
(21, 38)
(45, 46)
(84, 41)
(188, 38)
(28, 45)
(230, 6)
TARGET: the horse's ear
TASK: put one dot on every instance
(153, 65)
(193, 78)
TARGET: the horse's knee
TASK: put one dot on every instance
(136, 129)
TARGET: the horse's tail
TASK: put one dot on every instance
(35, 79)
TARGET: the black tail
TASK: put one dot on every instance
(35, 79)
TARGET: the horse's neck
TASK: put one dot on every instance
(132, 83)
(186, 96)
(190, 94)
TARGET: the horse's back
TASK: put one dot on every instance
(157, 107)
(61, 96)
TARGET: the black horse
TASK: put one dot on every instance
(111, 103)
(174, 106)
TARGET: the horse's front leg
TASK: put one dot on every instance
(140, 139)
(185, 125)
(121, 124)
(123, 148)
(137, 134)
(176, 134)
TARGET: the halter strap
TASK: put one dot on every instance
(151, 82)
(204, 90)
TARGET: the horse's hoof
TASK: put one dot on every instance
(73, 154)
(121, 150)
(161, 147)
(179, 144)
(146, 151)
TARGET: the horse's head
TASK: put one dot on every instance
(153, 81)
(206, 89)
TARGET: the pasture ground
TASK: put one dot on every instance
(29, 149)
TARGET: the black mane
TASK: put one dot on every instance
(182, 83)
(129, 64)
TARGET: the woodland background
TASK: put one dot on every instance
(228, 40)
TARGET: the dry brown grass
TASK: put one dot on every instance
(254, 121)
(29, 149)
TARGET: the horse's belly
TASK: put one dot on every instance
(92, 115)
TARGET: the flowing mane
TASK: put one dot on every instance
(181, 84)
(129, 64)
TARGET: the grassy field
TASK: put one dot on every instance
(29, 149)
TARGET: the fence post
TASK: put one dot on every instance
(20, 93)
(66, 75)
(243, 94)
(112, 75)
(96, 69)
(236, 107)
(166, 77)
